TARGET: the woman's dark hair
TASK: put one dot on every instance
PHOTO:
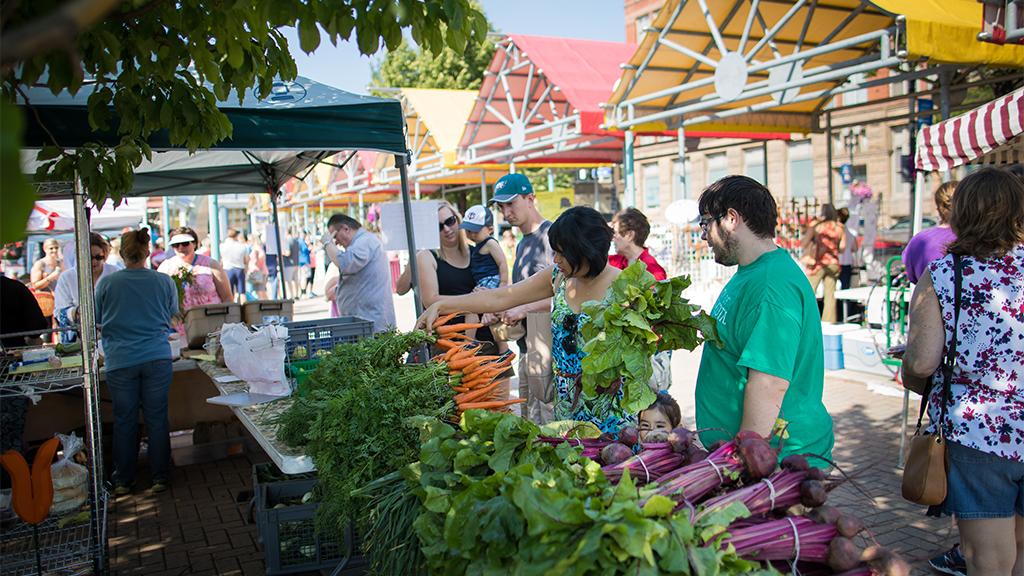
(186, 230)
(135, 245)
(843, 214)
(668, 406)
(829, 213)
(633, 220)
(988, 214)
(98, 241)
(344, 220)
(581, 235)
(746, 196)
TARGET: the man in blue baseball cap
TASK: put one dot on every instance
(514, 196)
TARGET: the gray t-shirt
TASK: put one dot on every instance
(533, 253)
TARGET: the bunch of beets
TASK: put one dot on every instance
(789, 521)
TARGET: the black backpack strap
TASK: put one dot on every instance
(949, 362)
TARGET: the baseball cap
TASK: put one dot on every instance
(476, 218)
(511, 185)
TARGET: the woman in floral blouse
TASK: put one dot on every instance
(984, 425)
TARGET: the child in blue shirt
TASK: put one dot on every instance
(486, 258)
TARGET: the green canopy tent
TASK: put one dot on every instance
(301, 124)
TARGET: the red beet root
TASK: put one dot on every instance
(824, 514)
(615, 454)
(695, 454)
(884, 562)
(680, 440)
(795, 462)
(843, 554)
(816, 474)
(812, 493)
(629, 436)
(758, 456)
(849, 526)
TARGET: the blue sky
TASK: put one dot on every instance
(343, 67)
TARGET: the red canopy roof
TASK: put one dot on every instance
(568, 76)
(584, 70)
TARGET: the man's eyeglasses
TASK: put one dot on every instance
(180, 245)
(98, 258)
(451, 221)
(705, 222)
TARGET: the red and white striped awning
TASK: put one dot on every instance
(990, 134)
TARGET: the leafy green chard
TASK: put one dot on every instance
(495, 501)
(352, 419)
(638, 318)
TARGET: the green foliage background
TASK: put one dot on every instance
(164, 65)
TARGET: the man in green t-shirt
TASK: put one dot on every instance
(770, 374)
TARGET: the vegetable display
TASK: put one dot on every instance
(480, 381)
(493, 496)
(638, 318)
(350, 420)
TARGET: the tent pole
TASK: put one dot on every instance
(627, 169)
(917, 183)
(410, 238)
(165, 221)
(483, 196)
(214, 227)
(305, 216)
(681, 137)
(320, 223)
(944, 80)
(362, 215)
(277, 240)
(828, 157)
(416, 185)
(87, 336)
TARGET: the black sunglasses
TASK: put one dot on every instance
(705, 221)
(451, 221)
(570, 324)
(98, 258)
(180, 244)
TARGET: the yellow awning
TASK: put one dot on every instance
(673, 71)
(444, 112)
(946, 31)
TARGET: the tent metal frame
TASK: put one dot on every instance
(1011, 12)
(536, 101)
(630, 112)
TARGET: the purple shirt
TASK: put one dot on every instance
(924, 248)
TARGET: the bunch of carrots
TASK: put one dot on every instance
(475, 377)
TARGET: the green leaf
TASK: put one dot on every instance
(659, 506)
(18, 196)
(309, 35)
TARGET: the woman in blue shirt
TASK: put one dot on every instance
(134, 307)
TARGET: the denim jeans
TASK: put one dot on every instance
(146, 384)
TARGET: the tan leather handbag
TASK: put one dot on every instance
(924, 475)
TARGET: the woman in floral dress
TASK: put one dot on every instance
(984, 421)
(580, 239)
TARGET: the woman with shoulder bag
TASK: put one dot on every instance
(982, 418)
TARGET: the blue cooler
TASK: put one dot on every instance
(832, 338)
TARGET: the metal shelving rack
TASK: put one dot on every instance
(75, 548)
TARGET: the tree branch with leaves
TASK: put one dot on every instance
(151, 65)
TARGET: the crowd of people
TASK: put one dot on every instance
(532, 290)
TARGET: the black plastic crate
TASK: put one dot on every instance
(260, 481)
(326, 333)
(288, 535)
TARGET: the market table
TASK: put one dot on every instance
(874, 303)
(186, 405)
(257, 420)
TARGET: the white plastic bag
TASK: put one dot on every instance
(70, 479)
(257, 356)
